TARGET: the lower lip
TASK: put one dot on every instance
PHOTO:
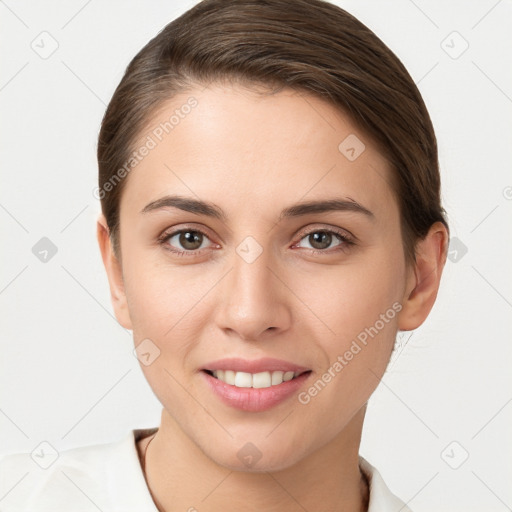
(255, 399)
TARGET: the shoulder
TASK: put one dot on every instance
(101, 476)
(381, 498)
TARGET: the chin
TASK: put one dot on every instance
(258, 457)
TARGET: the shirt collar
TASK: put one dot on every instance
(381, 498)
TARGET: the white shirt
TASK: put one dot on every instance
(109, 478)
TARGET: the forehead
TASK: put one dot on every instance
(230, 144)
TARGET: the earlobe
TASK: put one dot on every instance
(114, 273)
(424, 278)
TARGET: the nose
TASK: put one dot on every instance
(253, 303)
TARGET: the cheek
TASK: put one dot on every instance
(353, 298)
(166, 308)
(169, 305)
(362, 305)
(158, 293)
(362, 309)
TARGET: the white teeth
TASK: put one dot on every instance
(243, 380)
(277, 378)
(261, 380)
(288, 376)
(229, 377)
(254, 380)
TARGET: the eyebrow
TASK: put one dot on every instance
(212, 210)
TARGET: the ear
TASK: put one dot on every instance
(423, 278)
(114, 273)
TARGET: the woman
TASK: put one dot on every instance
(271, 218)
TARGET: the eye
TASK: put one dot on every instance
(185, 241)
(188, 242)
(320, 240)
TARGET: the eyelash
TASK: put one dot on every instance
(345, 239)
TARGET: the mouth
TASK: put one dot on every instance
(265, 379)
(254, 385)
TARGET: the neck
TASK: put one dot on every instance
(181, 477)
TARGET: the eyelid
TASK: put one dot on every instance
(344, 233)
(168, 232)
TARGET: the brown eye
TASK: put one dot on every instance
(191, 240)
(185, 240)
(323, 239)
(320, 239)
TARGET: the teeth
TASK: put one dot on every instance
(253, 380)
(288, 376)
(229, 377)
(242, 380)
(262, 380)
(277, 378)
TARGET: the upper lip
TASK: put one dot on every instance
(254, 366)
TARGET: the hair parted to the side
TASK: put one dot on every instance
(311, 46)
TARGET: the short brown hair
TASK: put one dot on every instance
(311, 46)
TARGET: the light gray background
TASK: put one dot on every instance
(67, 372)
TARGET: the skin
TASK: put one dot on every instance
(253, 156)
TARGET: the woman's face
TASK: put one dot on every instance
(244, 274)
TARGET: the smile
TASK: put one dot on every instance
(254, 385)
(265, 379)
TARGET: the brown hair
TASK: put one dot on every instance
(308, 45)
